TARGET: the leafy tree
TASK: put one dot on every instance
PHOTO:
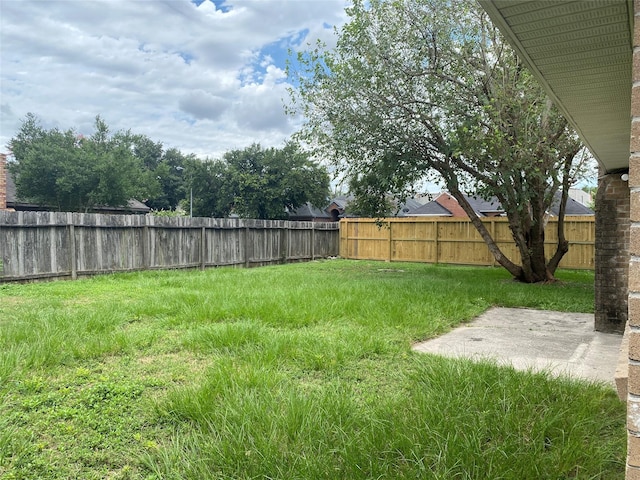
(39, 180)
(266, 183)
(149, 152)
(163, 170)
(167, 168)
(69, 172)
(427, 89)
(206, 180)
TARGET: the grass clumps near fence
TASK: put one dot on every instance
(296, 371)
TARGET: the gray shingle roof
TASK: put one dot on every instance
(431, 208)
(308, 211)
(492, 206)
(483, 207)
(573, 207)
(409, 205)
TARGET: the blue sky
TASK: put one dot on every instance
(202, 76)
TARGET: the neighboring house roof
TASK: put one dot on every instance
(492, 206)
(133, 205)
(445, 204)
(409, 205)
(341, 201)
(308, 212)
(451, 204)
(488, 208)
(430, 209)
(573, 207)
(136, 205)
(337, 206)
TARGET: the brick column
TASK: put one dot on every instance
(633, 397)
(612, 253)
(3, 182)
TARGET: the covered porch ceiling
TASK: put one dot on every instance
(581, 51)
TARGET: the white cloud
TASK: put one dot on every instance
(260, 105)
(201, 104)
(195, 77)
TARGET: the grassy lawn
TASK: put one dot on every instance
(288, 372)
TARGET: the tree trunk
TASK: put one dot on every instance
(563, 244)
(500, 257)
(537, 256)
(530, 242)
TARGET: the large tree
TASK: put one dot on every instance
(206, 188)
(417, 88)
(268, 183)
(69, 172)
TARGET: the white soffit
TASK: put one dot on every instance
(581, 51)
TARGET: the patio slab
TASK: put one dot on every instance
(559, 342)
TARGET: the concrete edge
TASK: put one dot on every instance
(621, 376)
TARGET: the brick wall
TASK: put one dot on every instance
(612, 253)
(3, 182)
(633, 385)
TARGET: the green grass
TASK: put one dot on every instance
(288, 372)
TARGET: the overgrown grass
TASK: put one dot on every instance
(291, 372)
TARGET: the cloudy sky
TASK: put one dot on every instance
(201, 76)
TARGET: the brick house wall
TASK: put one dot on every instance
(612, 253)
(3, 182)
(633, 384)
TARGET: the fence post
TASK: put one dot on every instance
(203, 250)
(246, 244)
(99, 244)
(390, 241)
(313, 241)
(146, 244)
(343, 247)
(437, 227)
(72, 247)
(53, 252)
(21, 245)
(282, 231)
(492, 259)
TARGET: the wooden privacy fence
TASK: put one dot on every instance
(51, 244)
(455, 240)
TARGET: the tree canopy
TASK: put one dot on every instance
(420, 90)
(268, 183)
(69, 172)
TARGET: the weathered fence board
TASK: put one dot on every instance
(455, 240)
(52, 244)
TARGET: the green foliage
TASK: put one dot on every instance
(422, 89)
(235, 373)
(169, 169)
(178, 212)
(267, 183)
(207, 181)
(69, 172)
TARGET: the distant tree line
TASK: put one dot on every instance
(67, 171)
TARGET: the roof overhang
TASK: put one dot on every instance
(581, 52)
